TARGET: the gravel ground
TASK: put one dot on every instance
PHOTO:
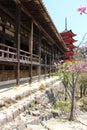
(61, 124)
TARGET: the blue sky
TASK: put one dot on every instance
(59, 9)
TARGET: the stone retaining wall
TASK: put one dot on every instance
(46, 97)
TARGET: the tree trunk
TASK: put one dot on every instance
(66, 92)
(81, 93)
(72, 99)
(72, 105)
(84, 90)
(66, 87)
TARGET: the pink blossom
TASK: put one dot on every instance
(81, 67)
(84, 46)
(72, 69)
(82, 9)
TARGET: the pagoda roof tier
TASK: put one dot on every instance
(67, 33)
(69, 53)
(69, 60)
(69, 40)
(71, 46)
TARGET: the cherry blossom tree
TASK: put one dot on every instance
(82, 9)
(76, 69)
(70, 73)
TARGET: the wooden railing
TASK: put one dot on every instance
(24, 56)
(8, 53)
(35, 58)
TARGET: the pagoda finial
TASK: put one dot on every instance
(65, 23)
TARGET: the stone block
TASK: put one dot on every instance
(21, 108)
(18, 97)
(55, 113)
(7, 100)
(27, 93)
(13, 99)
(22, 127)
(3, 119)
(15, 113)
(2, 103)
(23, 117)
(9, 115)
(26, 105)
(36, 113)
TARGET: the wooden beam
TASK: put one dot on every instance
(9, 14)
(23, 8)
(35, 22)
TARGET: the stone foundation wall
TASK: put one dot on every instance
(27, 106)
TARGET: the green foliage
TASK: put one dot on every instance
(63, 71)
(42, 87)
(56, 74)
(31, 105)
(83, 105)
(69, 73)
(83, 84)
(63, 106)
(83, 79)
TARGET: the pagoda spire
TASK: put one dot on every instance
(65, 24)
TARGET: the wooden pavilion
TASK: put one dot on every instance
(29, 41)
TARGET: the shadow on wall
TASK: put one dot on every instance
(55, 93)
(51, 96)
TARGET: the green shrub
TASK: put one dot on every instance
(31, 105)
(61, 105)
(83, 104)
(42, 87)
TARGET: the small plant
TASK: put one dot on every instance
(42, 87)
(61, 105)
(83, 105)
(31, 105)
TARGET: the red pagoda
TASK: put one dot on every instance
(67, 36)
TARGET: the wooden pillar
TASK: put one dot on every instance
(52, 54)
(17, 40)
(39, 69)
(45, 64)
(52, 58)
(31, 51)
(3, 31)
(50, 67)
